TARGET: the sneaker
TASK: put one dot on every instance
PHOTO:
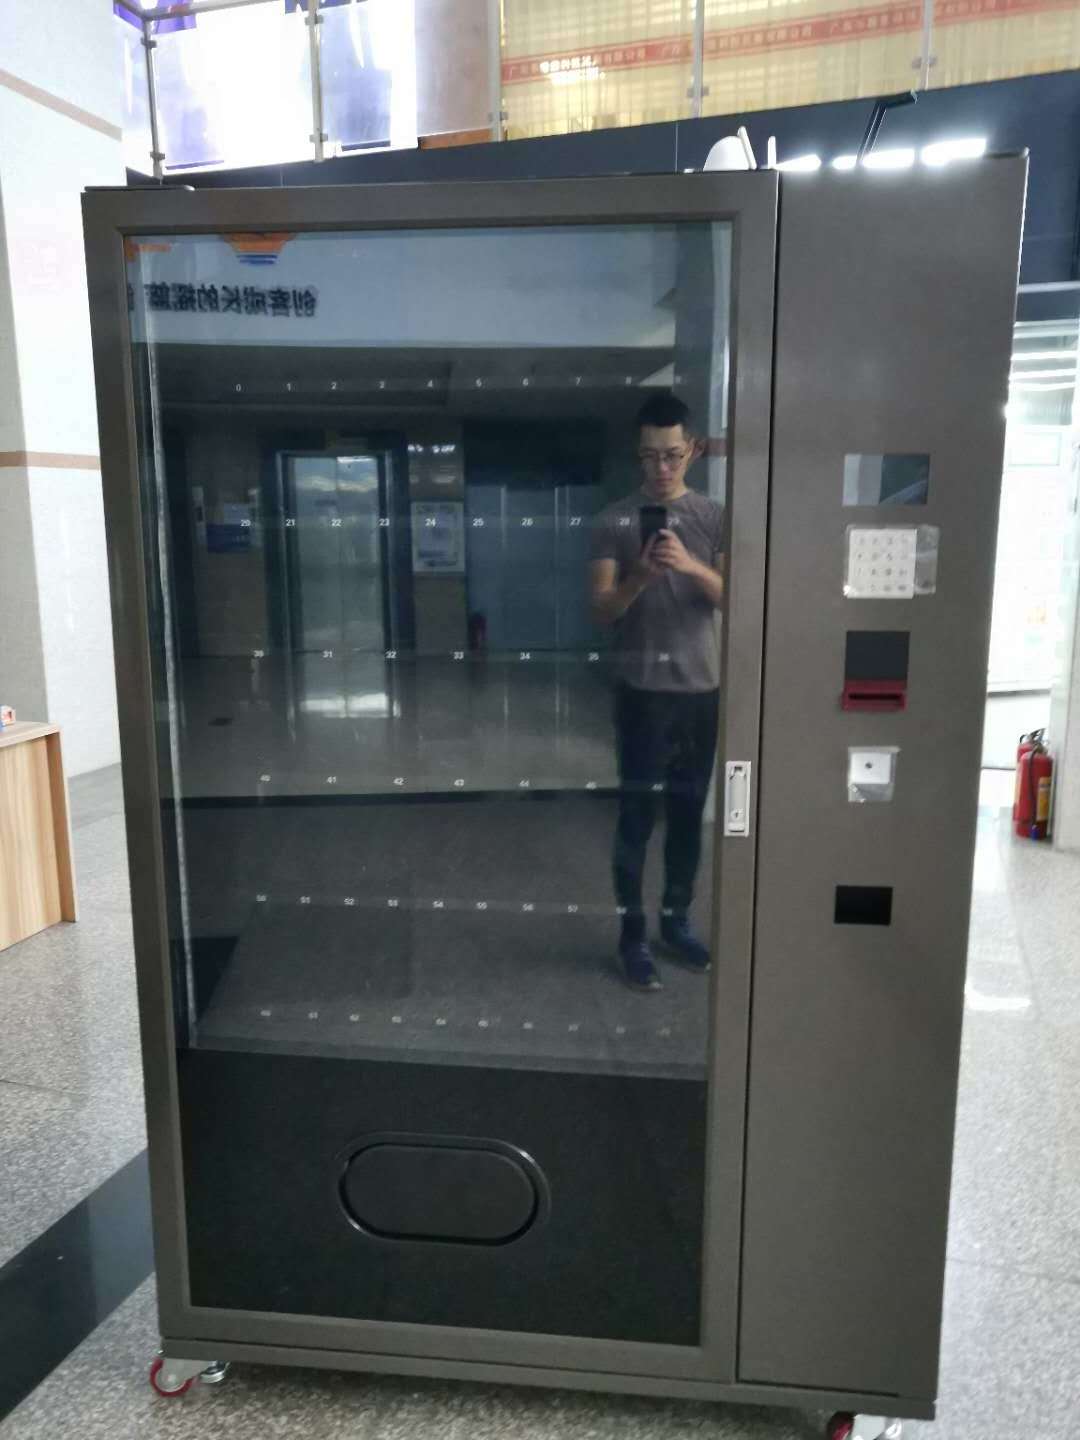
(636, 965)
(682, 944)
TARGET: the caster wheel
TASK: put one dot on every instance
(845, 1426)
(159, 1385)
(215, 1374)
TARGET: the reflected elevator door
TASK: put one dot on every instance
(528, 564)
(336, 574)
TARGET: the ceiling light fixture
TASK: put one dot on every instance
(942, 151)
(801, 162)
(898, 159)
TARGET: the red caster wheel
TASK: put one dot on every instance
(159, 1385)
(846, 1426)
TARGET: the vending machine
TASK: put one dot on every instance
(551, 624)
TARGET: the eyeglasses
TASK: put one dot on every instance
(653, 458)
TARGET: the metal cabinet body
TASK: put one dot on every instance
(496, 1184)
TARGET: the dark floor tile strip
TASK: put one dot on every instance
(68, 1280)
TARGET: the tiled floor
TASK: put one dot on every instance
(70, 1114)
(71, 1108)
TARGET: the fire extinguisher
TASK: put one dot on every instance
(1026, 745)
(1034, 779)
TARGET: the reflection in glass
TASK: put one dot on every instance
(441, 517)
(656, 579)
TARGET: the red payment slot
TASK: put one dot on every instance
(875, 670)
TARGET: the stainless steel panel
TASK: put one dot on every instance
(483, 1371)
(894, 313)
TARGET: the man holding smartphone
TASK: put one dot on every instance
(656, 577)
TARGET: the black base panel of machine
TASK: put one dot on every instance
(617, 1255)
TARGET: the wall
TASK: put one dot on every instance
(59, 118)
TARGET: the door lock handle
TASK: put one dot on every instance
(737, 797)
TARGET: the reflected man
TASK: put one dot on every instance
(656, 579)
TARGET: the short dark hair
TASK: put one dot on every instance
(665, 411)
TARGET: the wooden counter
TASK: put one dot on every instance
(37, 883)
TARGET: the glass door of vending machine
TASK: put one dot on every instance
(438, 547)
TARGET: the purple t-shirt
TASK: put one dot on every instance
(669, 638)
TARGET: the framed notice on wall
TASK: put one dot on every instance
(438, 537)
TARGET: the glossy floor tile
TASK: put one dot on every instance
(1008, 1369)
(102, 1393)
(57, 1147)
(71, 1102)
(1011, 1341)
(95, 796)
(63, 1285)
(1009, 1363)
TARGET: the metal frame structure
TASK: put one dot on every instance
(839, 341)
(921, 63)
(749, 203)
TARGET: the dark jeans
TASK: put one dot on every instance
(669, 739)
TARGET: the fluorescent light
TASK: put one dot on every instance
(801, 162)
(898, 159)
(845, 162)
(942, 151)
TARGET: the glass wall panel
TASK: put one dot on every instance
(977, 40)
(438, 660)
(767, 55)
(453, 66)
(368, 74)
(136, 100)
(573, 65)
(234, 87)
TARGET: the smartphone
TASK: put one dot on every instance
(653, 519)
